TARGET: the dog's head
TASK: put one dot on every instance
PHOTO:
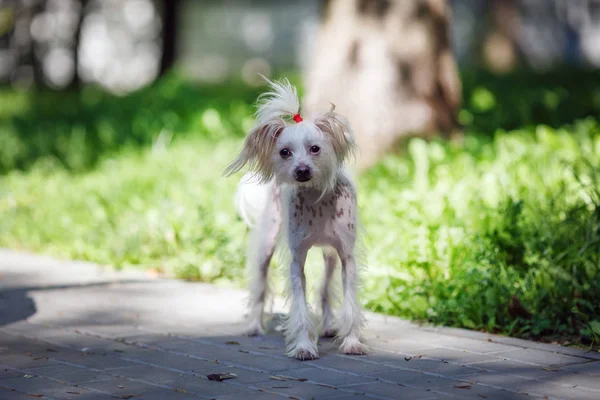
(302, 152)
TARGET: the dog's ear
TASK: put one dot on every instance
(257, 149)
(339, 131)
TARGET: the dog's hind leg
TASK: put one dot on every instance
(350, 320)
(260, 251)
(330, 258)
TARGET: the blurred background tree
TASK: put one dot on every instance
(388, 65)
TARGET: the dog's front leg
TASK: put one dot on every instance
(299, 329)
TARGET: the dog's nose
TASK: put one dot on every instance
(303, 174)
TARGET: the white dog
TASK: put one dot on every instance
(297, 181)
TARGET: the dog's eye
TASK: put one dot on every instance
(315, 149)
(285, 152)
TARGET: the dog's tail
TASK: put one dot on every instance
(250, 198)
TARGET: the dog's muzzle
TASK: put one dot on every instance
(303, 174)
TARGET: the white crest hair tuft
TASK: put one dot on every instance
(281, 101)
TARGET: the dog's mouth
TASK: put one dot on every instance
(303, 178)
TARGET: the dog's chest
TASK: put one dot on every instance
(322, 221)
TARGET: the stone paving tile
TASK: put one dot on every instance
(411, 378)
(541, 357)
(168, 360)
(588, 368)
(203, 387)
(147, 373)
(327, 377)
(517, 368)
(34, 385)
(244, 376)
(73, 393)
(91, 360)
(10, 394)
(78, 341)
(270, 364)
(301, 389)
(121, 387)
(479, 392)
(555, 392)
(549, 387)
(111, 331)
(576, 380)
(22, 361)
(478, 346)
(455, 356)
(9, 373)
(344, 365)
(165, 394)
(391, 391)
(67, 373)
(433, 366)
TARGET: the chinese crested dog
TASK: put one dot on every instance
(297, 188)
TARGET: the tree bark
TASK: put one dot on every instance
(169, 35)
(387, 65)
(76, 81)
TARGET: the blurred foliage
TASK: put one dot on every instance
(501, 235)
(76, 129)
(499, 231)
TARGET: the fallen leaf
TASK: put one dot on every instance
(41, 358)
(287, 378)
(327, 386)
(489, 340)
(49, 350)
(129, 396)
(233, 342)
(36, 395)
(180, 390)
(221, 377)
(464, 386)
(28, 354)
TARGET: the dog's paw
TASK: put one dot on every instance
(306, 355)
(353, 347)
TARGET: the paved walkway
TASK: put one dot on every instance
(76, 331)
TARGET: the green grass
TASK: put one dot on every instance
(499, 232)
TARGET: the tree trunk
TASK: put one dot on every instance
(387, 65)
(76, 81)
(169, 35)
